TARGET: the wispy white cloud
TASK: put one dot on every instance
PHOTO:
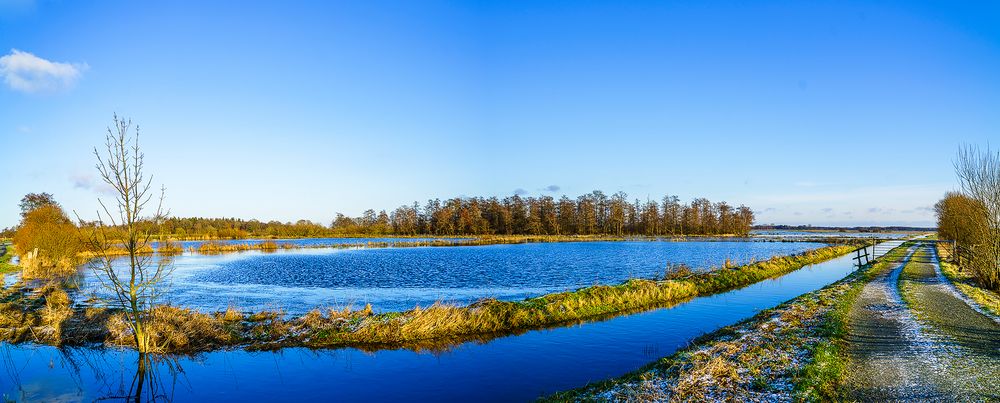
(87, 181)
(25, 72)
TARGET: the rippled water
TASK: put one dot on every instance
(514, 368)
(401, 278)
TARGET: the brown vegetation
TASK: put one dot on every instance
(972, 218)
(48, 242)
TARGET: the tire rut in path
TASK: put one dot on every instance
(965, 342)
(883, 343)
(931, 347)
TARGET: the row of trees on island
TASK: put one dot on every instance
(594, 213)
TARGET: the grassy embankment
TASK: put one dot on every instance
(182, 330)
(966, 284)
(493, 316)
(5, 265)
(784, 353)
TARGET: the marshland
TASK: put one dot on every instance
(499, 201)
(611, 345)
(401, 298)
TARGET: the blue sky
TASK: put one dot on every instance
(810, 112)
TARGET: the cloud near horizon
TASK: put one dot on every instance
(25, 72)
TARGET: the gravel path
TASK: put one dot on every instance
(933, 346)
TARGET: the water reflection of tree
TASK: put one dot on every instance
(154, 381)
(153, 378)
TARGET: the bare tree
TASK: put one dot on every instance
(979, 174)
(124, 225)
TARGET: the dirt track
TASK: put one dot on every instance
(911, 337)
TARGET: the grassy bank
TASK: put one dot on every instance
(784, 353)
(965, 282)
(5, 259)
(182, 330)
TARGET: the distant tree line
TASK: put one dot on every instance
(235, 228)
(594, 213)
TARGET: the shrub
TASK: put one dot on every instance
(50, 232)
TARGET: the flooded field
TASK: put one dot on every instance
(393, 279)
(514, 368)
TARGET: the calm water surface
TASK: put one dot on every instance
(514, 368)
(778, 234)
(393, 279)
